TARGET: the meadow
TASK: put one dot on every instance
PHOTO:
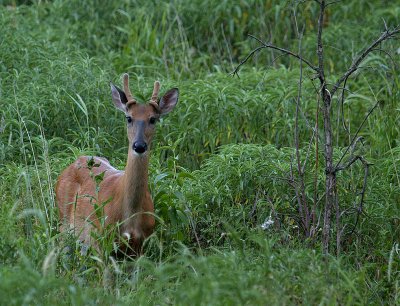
(221, 162)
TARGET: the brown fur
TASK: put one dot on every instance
(126, 194)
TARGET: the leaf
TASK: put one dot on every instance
(161, 176)
(99, 177)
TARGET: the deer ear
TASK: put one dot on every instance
(119, 97)
(168, 101)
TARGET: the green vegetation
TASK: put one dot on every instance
(220, 161)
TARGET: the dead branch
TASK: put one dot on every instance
(361, 204)
(337, 168)
(325, 92)
(265, 45)
(235, 72)
(387, 34)
(300, 170)
(313, 215)
(288, 52)
(330, 175)
(320, 50)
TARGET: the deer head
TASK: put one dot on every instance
(142, 118)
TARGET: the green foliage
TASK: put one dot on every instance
(220, 162)
(260, 272)
(26, 286)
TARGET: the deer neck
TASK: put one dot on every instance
(135, 184)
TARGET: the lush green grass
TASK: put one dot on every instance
(220, 161)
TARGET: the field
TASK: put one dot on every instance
(222, 163)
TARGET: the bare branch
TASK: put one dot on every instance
(354, 138)
(276, 58)
(235, 72)
(306, 218)
(342, 107)
(345, 81)
(288, 52)
(296, 125)
(361, 204)
(384, 22)
(314, 208)
(384, 36)
(330, 177)
(320, 50)
(351, 161)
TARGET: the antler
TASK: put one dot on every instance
(154, 96)
(130, 98)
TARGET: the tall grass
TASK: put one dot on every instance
(219, 163)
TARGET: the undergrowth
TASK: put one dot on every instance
(220, 162)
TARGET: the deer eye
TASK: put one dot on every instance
(153, 120)
(129, 119)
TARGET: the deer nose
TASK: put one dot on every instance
(139, 147)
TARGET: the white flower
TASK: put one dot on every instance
(267, 223)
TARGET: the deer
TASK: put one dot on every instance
(128, 202)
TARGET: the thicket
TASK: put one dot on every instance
(220, 161)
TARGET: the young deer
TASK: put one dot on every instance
(126, 194)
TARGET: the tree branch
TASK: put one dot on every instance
(288, 52)
(265, 45)
(354, 138)
(361, 204)
(384, 36)
(320, 50)
(235, 72)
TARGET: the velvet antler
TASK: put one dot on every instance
(154, 96)
(130, 98)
